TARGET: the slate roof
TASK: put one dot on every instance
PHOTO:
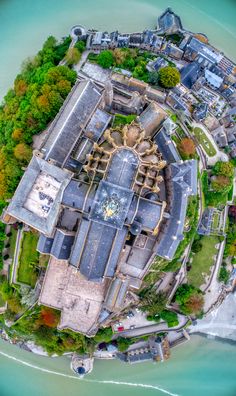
(169, 22)
(148, 214)
(97, 125)
(96, 249)
(167, 147)
(44, 244)
(111, 204)
(152, 118)
(189, 74)
(75, 194)
(200, 111)
(122, 168)
(62, 243)
(204, 227)
(74, 115)
(116, 294)
(183, 182)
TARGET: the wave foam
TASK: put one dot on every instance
(146, 386)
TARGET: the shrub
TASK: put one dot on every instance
(106, 59)
(170, 317)
(224, 275)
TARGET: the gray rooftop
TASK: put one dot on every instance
(167, 147)
(152, 118)
(44, 244)
(183, 182)
(190, 74)
(111, 204)
(204, 227)
(74, 115)
(169, 22)
(122, 168)
(96, 249)
(78, 195)
(61, 247)
(97, 125)
(37, 198)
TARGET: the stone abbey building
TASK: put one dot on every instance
(105, 200)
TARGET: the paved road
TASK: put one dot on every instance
(156, 328)
(213, 286)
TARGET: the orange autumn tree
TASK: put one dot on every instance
(49, 317)
(187, 148)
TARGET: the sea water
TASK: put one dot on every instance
(201, 367)
(25, 24)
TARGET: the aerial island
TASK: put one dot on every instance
(118, 195)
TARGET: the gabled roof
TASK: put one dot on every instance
(189, 74)
(74, 115)
(152, 118)
(62, 243)
(183, 182)
(166, 147)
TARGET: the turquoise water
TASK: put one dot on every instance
(25, 24)
(201, 367)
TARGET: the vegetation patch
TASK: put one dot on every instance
(29, 259)
(38, 93)
(121, 120)
(190, 299)
(204, 141)
(203, 261)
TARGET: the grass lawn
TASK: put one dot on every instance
(121, 119)
(202, 261)
(26, 272)
(12, 241)
(204, 141)
(216, 220)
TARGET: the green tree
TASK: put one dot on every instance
(169, 77)
(123, 343)
(104, 335)
(224, 169)
(153, 78)
(170, 317)
(190, 299)
(106, 59)
(80, 45)
(152, 302)
(221, 183)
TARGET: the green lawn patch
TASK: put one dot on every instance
(203, 261)
(29, 257)
(204, 141)
(2, 302)
(121, 119)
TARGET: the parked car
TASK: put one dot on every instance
(120, 328)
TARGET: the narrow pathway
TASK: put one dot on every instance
(16, 256)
